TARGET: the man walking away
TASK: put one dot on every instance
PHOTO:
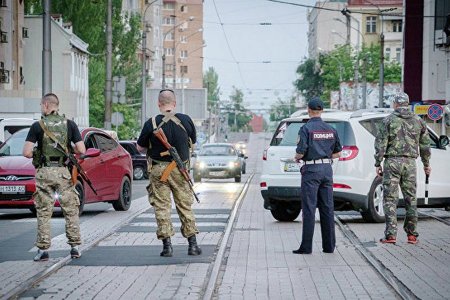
(402, 137)
(53, 179)
(164, 180)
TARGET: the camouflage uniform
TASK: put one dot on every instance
(402, 137)
(53, 182)
(159, 198)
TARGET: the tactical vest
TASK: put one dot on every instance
(57, 125)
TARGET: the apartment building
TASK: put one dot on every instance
(182, 25)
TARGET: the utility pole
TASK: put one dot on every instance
(47, 50)
(163, 85)
(381, 99)
(144, 76)
(108, 85)
(364, 84)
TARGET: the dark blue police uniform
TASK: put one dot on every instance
(317, 142)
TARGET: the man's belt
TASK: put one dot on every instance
(319, 161)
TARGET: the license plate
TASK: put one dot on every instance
(221, 173)
(12, 189)
(291, 167)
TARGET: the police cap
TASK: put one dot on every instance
(315, 104)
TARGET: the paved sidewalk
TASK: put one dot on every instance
(261, 265)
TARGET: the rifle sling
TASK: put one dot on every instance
(52, 136)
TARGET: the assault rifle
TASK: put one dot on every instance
(160, 135)
(71, 159)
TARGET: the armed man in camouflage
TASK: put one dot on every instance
(402, 137)
(165, 178)
(53, 179)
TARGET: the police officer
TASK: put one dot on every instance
(400, 140)
(53, 179)
(180, 132)
(318, 144)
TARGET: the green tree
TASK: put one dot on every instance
(282, 109)
(309, 83)
(238, 116)
(211, 83)
(88, 19)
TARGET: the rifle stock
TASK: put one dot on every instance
(160, 135)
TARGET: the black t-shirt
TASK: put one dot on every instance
(36, 134)
(176, 136)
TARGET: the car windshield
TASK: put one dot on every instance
(14, 145)
(217, 151)
(287, 133)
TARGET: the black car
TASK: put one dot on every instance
(139, 160)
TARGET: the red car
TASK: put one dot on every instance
(109, 168)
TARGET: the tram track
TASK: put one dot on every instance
(402, 291)
(437, 218)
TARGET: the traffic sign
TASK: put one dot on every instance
(421, 109)
(117, 118)
(435, 112)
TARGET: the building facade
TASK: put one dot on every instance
(182, 25)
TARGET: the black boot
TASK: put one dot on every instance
(193, 249)
(167, 248)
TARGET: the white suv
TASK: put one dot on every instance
(356, 186)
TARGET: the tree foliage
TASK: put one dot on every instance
(320, 77)
(238, 116)
(211, 83)
(89, 23)
(282, 109)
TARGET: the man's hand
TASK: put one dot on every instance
(427, 170)
(298, 157)
(379, 171)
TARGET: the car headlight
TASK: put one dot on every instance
(201, 165)
(233, 164)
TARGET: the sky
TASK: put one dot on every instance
(260, 60)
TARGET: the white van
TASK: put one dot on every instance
(11, 125)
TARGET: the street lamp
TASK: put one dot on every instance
(144, 63)
(174, 54)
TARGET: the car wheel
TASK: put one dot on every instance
(138, 173)
(447, 208)
(80, 190)
(285, 212)
(238, 178)
(124, 201)
(244, 167)
(375, 212)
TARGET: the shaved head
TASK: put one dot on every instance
(50, 99)
(166, 97)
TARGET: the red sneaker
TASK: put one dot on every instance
(412, 239)
(389, 240)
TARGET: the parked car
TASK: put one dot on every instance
(241, 146)
(110, 172)
(139, 159)
(243, 158)
(10, 125)
(218, 160)
(356, 186)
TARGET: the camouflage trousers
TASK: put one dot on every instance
(400, 171)
(159, 198)
(54, 183)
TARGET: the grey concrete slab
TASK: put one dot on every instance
(201, 228)
(142, 256)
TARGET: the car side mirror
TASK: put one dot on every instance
(443, 141)
(91, 152)
(245, 157)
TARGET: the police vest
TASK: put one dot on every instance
(57, 125)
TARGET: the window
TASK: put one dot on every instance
(24, 32)
(183, 39)
(398, 52)
(387, 54)
(183, 69)
(184, 8)
(397, 26)
(371, 24)
(169, 67)
(372, 125)
(183, 54)
(169, 36)
(169, 51)
(442, 8)
(168, 21)
(105, 143)
(169, 6)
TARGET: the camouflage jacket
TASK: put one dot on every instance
(403, 134)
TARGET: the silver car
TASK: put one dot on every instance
(218, 160)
